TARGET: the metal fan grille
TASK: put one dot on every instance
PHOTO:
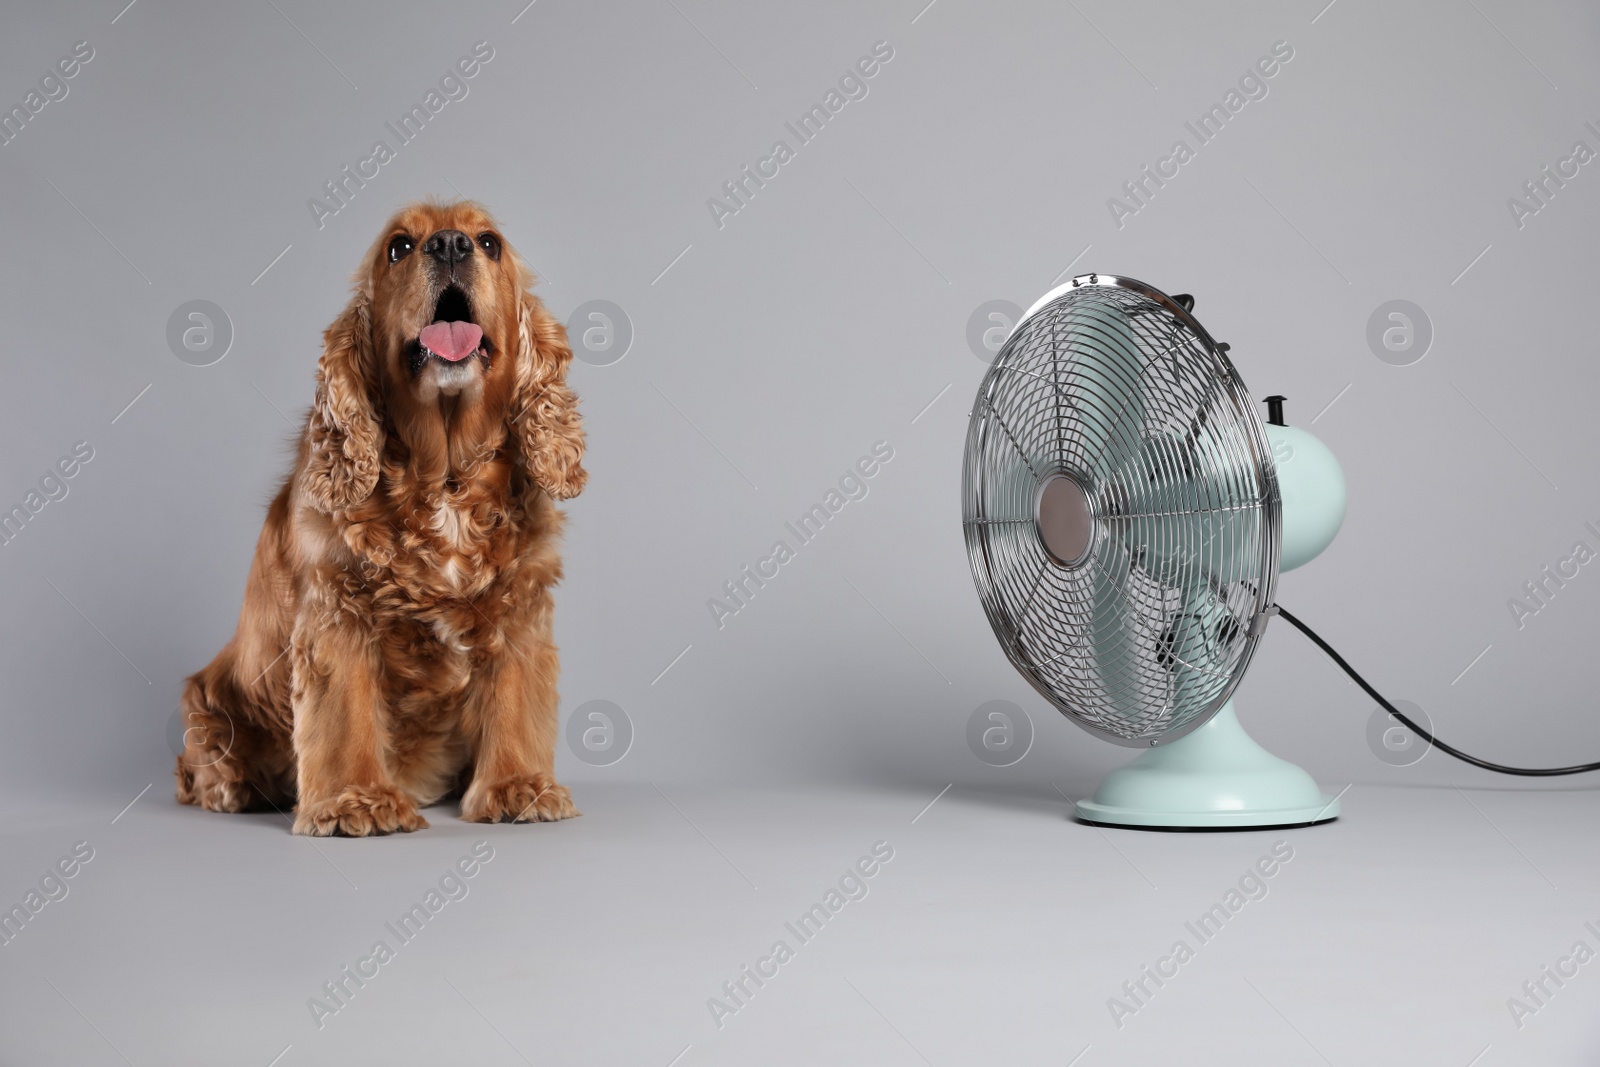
(1118, 388)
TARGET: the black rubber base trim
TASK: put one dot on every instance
(1205, 829)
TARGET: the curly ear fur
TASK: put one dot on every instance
(344, 435)
(545, 412)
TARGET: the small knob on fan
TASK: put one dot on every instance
(1275, 410)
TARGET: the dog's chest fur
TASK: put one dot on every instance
(449, 574)
(436, 561)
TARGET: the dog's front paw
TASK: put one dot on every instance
(520, 798)
(212, 787)
(359, 811)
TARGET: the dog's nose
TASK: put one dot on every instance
(448, 246)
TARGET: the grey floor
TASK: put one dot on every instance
(998, 932)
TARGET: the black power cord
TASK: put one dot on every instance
(1533, 772)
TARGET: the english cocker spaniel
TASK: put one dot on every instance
(395, 639)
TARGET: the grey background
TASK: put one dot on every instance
(770, 354)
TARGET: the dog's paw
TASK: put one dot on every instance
(359, 811)
(211, 789)
(520, 798)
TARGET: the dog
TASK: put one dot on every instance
(395, 640)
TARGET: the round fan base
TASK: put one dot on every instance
(1214, 778)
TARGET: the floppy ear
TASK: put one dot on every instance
(344, 433)
(544, 412)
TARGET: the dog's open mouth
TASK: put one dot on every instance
(452, 336)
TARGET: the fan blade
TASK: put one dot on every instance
(1197, 646)
(1179, 513)
(1122, 644)
(1102, 385)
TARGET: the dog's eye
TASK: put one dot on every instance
(490, 245)
(400, 247)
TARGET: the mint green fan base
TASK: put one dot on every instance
(1214, 778)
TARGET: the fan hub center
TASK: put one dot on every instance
(1064, 519)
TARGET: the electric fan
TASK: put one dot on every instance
(1126, 519)
(1126, 514)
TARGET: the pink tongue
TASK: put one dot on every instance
(452, 340)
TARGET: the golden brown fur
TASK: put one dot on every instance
(395, 639)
